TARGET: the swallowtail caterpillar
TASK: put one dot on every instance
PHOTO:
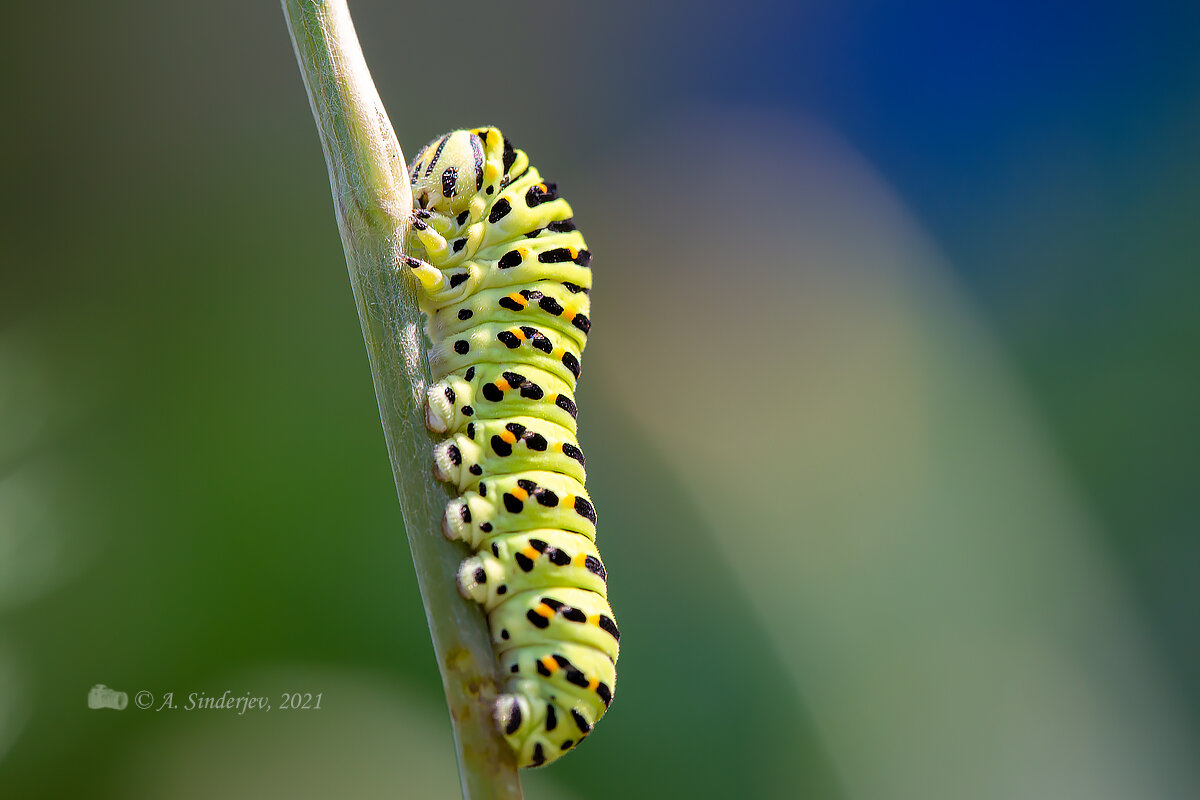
(504, 285)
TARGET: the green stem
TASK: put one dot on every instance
(372, 198)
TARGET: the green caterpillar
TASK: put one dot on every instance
(505, 290)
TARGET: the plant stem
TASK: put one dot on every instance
(372, 199)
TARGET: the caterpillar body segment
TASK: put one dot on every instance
(575, 684)
(493, 391)
(504, 279)
(512, 563)
(548, 617)
(520, 502)
(574, 670)
(491, 447)
(548, 306)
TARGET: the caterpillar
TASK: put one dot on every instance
(504, 285)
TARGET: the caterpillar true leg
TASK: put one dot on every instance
(505, 288)
(430, 277)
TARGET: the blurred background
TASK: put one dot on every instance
(889, 404)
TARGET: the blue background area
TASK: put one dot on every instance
(953, 100)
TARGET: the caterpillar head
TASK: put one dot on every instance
(448, 173)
